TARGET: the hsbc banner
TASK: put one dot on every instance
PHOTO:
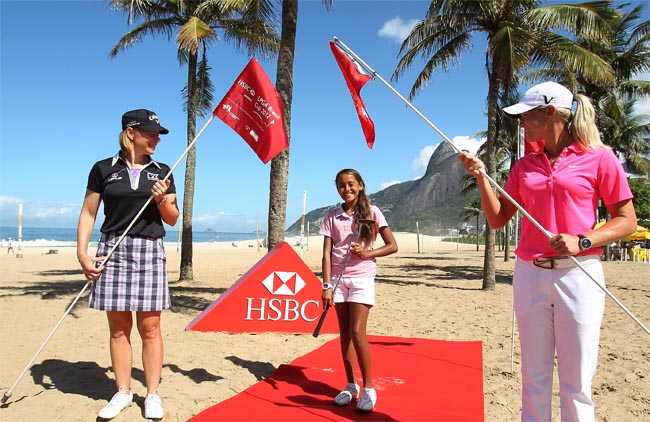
(278, 294)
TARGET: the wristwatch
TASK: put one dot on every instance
(584, 242)
(327, 286)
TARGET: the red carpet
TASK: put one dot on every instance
(415, 379)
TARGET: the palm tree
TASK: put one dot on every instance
(520, 34)
(505, 162)
(628, 133)
(473, 209)
(279, 176)
(246, 23)
(626, 45)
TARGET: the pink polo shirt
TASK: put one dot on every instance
(339, 226)
(563, 198)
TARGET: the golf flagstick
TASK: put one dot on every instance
(8, 394)
(321, 320)
(495, 184)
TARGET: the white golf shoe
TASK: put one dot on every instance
(367, 401)
(121, 400)
(349, 393)
(153, 407)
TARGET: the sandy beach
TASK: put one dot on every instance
(433, 294)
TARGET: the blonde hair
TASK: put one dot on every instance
(582, 123)
(126, 145)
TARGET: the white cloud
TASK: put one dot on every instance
(389, 183)
(228, 222)
(643, 105)
(468, 143)
(420, 163)
(397, 29)
(8, 202)
(38, 214)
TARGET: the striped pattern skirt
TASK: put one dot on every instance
(134, 278)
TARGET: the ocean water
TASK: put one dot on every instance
(51, 237)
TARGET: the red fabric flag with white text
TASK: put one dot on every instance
(355, 78)
(253, 108)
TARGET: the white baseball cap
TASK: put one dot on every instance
(542, 95)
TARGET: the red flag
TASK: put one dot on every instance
(355, 78)
(253, 108)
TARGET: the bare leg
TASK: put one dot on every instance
(120, 325)
(358, 321)
(152, 348)
(347, 349)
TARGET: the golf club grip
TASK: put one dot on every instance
(321, 321)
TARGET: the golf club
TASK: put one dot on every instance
(360, 222)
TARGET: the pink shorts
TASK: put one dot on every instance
(358, 290)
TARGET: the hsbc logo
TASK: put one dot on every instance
(282, 283)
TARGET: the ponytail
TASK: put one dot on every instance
(126, 145)
(583, 124)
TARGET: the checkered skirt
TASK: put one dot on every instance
(134, 278)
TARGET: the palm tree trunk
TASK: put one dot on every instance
(279, 178)
(186, 268)
(489, 267)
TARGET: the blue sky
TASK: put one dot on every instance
(62, 99)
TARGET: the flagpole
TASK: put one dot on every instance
(302, 223)
(19, 254)
(495, 184)
(8, 394)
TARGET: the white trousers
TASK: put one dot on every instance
(558, 310)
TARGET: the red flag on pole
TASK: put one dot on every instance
(355, 78)
(253, 108)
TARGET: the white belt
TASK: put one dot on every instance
(562, 261)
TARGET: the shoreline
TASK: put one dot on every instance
(311, 241)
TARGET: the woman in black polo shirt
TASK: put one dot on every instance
(135, 276)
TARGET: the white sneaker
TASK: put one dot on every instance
(349, 393)
(153, 407)
(367, 401)
(119, 402)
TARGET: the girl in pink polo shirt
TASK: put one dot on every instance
(348, 242)
(559, 309)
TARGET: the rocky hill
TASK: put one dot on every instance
(433, 201)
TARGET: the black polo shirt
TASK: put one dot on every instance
(124, 196)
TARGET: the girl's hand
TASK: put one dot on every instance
(328, 299)
(357, 249)
(89, 267)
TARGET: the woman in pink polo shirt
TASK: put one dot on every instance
(349, 262)
(559, 309)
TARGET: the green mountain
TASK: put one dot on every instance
(433, 201)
